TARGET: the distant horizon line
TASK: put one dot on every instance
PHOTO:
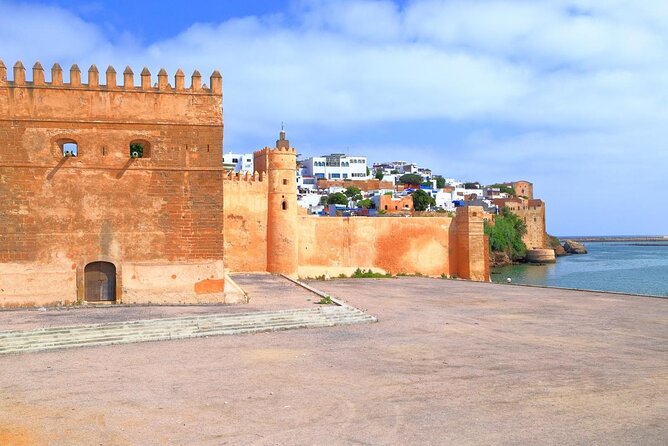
(613, 236)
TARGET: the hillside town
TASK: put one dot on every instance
(349, 185)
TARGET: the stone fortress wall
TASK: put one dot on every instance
(171, 223)
(532, 212)
(264, 232)
(430, 246)
(157, 219)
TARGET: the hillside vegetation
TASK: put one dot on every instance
(505, 235)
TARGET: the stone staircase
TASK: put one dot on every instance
(178, 328)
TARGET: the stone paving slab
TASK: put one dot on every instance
(449, 362)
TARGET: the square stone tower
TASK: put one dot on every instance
(110, 192)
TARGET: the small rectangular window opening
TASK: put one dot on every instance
(70, 149)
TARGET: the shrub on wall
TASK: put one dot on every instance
(506, 234)
(136, 150)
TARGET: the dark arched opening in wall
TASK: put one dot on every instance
(140, 148)
(284, 205)
(100, 282)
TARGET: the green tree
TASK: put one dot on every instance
(394, 172)
(411, 179)
(379, 174)
(368, 172)
(472, 185)
(354, 192)
(337, 198)
(504, 188)
(506, 234)
(440, 182)
(422, 200)
(365, 204)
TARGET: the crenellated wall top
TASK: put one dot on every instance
(244, 176)
(146, 84)
(275, 151)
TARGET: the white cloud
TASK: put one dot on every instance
(30, 33)
(571, 83)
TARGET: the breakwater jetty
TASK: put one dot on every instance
(611, 239)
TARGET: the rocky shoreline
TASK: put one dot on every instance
(569, 247)
(573, 247)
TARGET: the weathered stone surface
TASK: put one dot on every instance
(532, 212)
(559, 251)
(59, 213)
(540, 256)
(573, 247)
(500, 259)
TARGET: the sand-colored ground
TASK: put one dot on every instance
(449, 362)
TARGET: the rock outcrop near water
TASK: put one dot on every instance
(573, 247)
(540, 256)
(499, 259)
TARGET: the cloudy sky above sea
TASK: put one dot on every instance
(571, 95)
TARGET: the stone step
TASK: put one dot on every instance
(149, 331)
(191, 330)
(167, 322)
(107, 340)
(164, 321)
(178, 328)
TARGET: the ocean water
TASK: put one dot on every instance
(627, 267)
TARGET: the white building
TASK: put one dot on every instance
(239, 162)
(336, 166)
(461, 193)
(444, 199)
(402, 168)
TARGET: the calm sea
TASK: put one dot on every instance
(627, 267)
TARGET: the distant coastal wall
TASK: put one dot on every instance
(618, 239)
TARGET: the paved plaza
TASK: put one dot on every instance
(448, 362)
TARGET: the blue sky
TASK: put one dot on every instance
(569, 94)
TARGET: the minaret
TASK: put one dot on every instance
(281, 163)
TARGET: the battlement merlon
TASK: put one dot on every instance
(196, 87)
(157, 102)
(275, 151)
(244, 176)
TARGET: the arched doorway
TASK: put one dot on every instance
(100, 278)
